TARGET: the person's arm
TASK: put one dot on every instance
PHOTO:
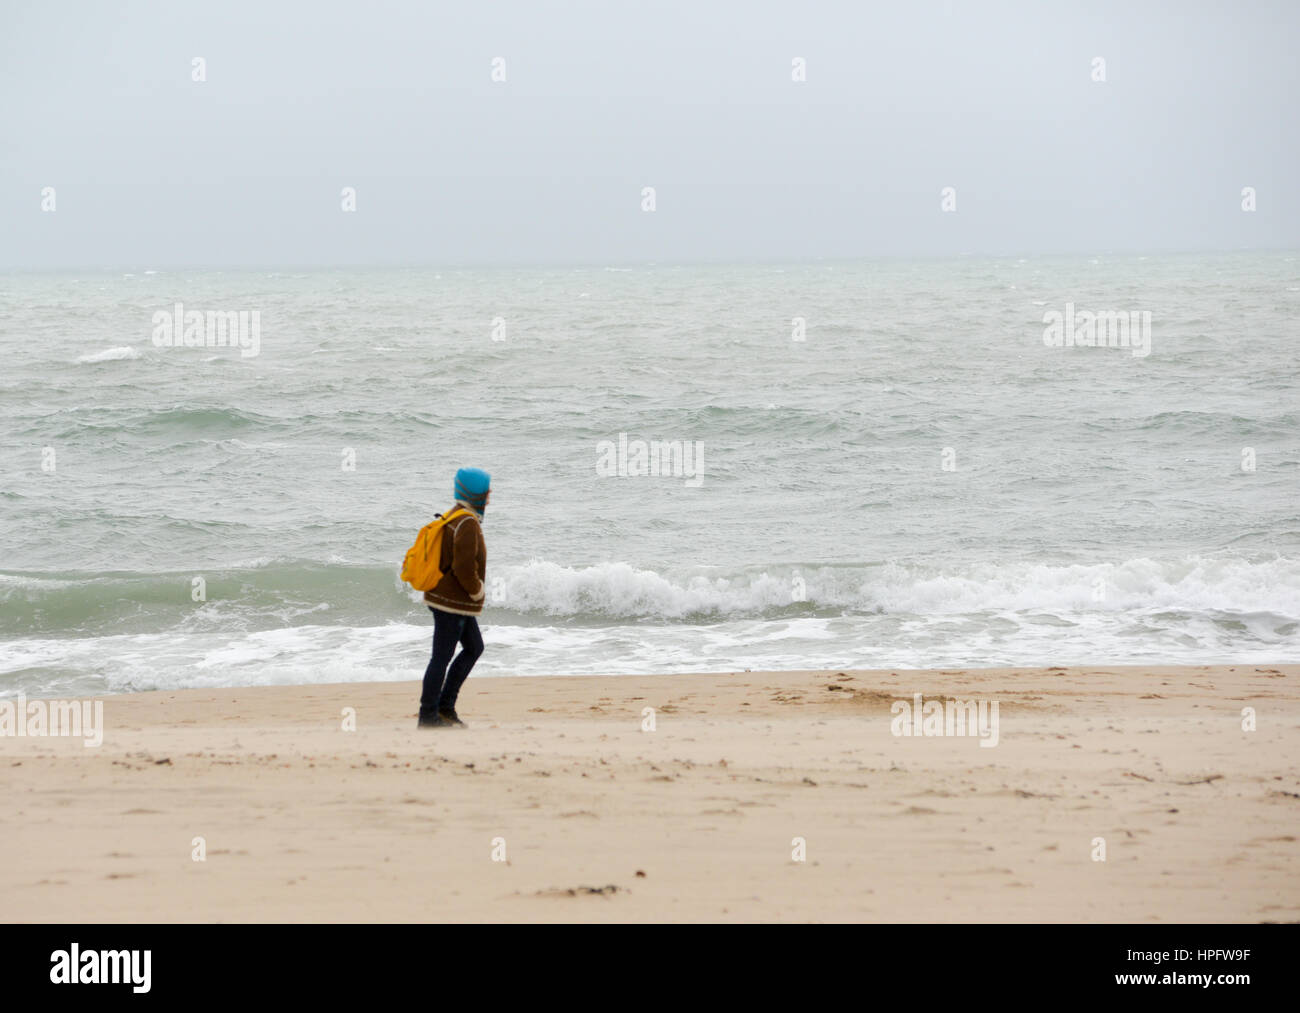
(464, 559)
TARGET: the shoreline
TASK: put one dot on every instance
(556, 805)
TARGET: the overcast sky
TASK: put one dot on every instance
(995, 99)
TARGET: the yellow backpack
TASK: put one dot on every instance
(422, 568)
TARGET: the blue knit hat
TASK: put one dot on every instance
(472, 486)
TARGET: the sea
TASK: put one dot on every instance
(210, 478)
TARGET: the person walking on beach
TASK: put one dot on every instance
(456, 602)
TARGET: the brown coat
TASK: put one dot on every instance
(464, 563)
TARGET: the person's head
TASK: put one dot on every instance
(474, 486)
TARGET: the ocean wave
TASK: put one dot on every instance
(1283, 425)
(204, 421)
(617, 590)
(268, 593)
(110, 354)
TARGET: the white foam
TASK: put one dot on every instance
(1191, 584)
(110, 354)
(399, 651)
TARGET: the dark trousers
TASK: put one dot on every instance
(442, 684)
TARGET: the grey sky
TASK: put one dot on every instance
(152, 169)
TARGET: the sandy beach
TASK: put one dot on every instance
(558, 805)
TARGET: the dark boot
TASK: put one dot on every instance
(431, 721)
(449, 716)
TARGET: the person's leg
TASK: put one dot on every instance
(446, 632)
(471, 646)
